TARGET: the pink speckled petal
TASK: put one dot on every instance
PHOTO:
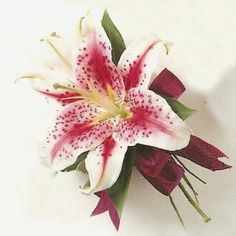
(94, 63)
(140, 60)
(153, 123)
(104, 164)
(62, 97)
(44, 80)
(74, 133)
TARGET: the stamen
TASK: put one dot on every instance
(80, 24)
(99, 99)
(31, 76)
(73, 97)
(81, 92)
(167, 46)
(101, 118)
(110, 92)
(112, 95)
(102, 100)
(66, 62)
(91, 86)
(54, 34)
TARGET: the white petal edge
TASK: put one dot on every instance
(100, 178)
(155, 60)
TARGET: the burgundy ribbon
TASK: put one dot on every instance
(157, 167)
(203, 154)
(198, 151)
(105, 204)
(167, 84)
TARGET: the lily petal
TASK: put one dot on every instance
(63, 97)
(203, 154)
(76, 132)
(152, 123)
(43, 82)
(54, 66)
(94, 67)
(139, 61)
(167, 84)
(103, 165)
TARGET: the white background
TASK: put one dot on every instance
(33, 202)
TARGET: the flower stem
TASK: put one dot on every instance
(177, 211)
(194, 204)
(190, 172)
(186, 180)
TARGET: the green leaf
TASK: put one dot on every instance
(117, 42)
(180, 109)
(81, 167)
(118, 191)
(78, 161)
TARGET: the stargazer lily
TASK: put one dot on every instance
(107, 107)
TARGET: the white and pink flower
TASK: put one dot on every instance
(106, 108)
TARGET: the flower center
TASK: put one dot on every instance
(107, 102)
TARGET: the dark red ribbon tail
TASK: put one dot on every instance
(203, 154)
(167, 84)
(105, 204)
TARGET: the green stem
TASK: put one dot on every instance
(194, 204)
(192, 188)
(190, 172)
(176, 211)
(186, 180)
